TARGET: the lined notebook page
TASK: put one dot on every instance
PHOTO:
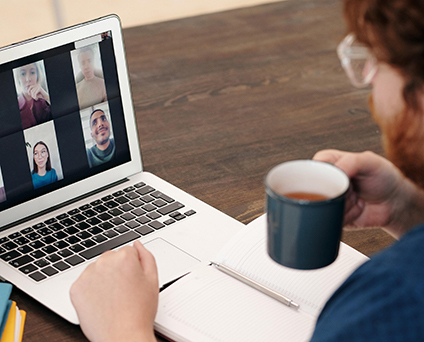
(208, 305)
(247, 254)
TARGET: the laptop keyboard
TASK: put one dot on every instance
(83, 233)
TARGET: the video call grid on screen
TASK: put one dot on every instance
(61, 119)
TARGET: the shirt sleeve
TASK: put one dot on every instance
(374, 304)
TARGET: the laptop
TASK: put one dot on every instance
(72, 183)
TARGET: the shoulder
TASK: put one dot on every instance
(382, 300)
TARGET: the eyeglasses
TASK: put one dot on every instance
(357, 60)
(43, 153)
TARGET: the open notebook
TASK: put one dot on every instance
(209, 305)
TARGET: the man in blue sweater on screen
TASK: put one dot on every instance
(384, 299)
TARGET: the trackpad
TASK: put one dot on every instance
(172, 262)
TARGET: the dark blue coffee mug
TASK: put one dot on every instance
(305, 206)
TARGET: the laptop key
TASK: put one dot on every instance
(154, 215)
(78, 218)
(85, 207)
(145, 190)
(136, 203)
(49, 271)
(50, 221)
(111, 204)
(24, 249)
(67, 222)
(41, 263)
(107, 198)
(10, 255)
(61, 266)
(122, 200)
(92, 221)
(159, 203)
(21, 241)
(104, 217)
(23, 260)
(2, 250)
(115, 212)
(83, 235)
(39, 225)
(118, 193)
(105, 225)
(48, 240)
(94, 230)
(64, 253)
(190, 212)
(126, 207)
(62, 216)
(14, 235)
(27, 230)
(38, 254)
(132, 195)
(56, 227)
(59, 235)
(143, 220)
(28, 268)
(179, 217)
(110, 233)
(147, 199)
(161, 195)
(101, 208)
(61, 244)
(73, 212)
(156, 225)
(53, 258)
(121, 229)
(139, 185)
(132, 224)
(138, 212)
(49, 249)
(36, 244)
(44, 231)
(88, 243)
(117, 221)
(89, 213)
(37, 276)
(148, 207)
(169, 221)
(74, 260)
(71, 230)
(9, 245)
(33, 236)
(96, 203)
(170, 208)
(128, 216)
(110, 244)
(76, 248)
(72, 240)
(99, 238)
(144, 230)
(129, 189)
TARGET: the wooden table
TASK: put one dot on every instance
(222, 98)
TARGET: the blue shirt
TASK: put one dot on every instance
(48, 178)
(383, 300)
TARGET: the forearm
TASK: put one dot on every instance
(408, 210)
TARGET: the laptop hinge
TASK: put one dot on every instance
(64, 204)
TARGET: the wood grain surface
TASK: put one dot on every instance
(222, 98)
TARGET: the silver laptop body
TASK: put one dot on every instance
(71, 178)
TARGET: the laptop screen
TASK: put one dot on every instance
(61, 119)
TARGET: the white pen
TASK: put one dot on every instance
(256, 285)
